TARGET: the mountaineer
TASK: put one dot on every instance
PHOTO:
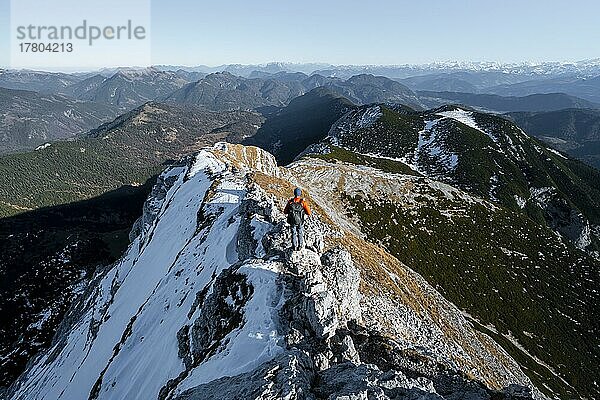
(295, 209)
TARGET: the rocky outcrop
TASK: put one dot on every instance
(321, 324)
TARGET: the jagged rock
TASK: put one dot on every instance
(319, 302)
(320, 310)
(314, 232)
(259, 217)
(343, 279)
(348, 381)
(279, 239)
(221, 313)
(287, 376)
(308, 263)
(292, 376)
(348, 351)
(321, 361)
(518, 392)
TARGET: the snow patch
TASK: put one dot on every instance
(466, 118)
(43, 317)
(430, 144)
(206, 161)
(551, 150)
(369, 117)
(258, 340)
(352, 121)
(43, 146)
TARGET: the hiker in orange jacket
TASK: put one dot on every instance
(295, 209)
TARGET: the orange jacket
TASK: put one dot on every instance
(297, 200)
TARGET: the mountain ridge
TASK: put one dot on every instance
(483, 154)
(530, 103)
(575, 132)
(29, 119)
(300, 325)
(225, 91)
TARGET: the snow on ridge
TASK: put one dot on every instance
(205, 160)
(430, 144)
(353, 120)
(465, 117)
(551, 150)
(521, 202)
(43, 146)
(371, 115)
(584, 239)
(145, 300)
(257, 340)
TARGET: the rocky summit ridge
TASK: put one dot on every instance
(209, 303)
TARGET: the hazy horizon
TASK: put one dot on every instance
(337, 33)
(451, 64)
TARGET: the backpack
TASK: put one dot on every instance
(295, 216)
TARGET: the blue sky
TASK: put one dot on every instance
(191, 32)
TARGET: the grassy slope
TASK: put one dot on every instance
(486, 172)
(127, 151)
(340, 154)
(539, 290)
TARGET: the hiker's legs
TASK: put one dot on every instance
(300, 236)
(295, 237)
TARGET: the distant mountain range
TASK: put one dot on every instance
(37, 81)
(464, 81)
(126, 88)
(492, 102)
(86, 101)
(587, 88)
(223, 91)
(574, 131)
(29, 119)
(496, 87)
(577, 68)
(505, 84)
